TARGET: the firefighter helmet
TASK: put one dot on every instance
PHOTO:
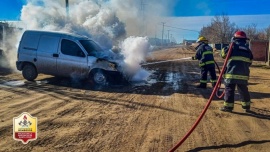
(240, 35)
(202, 39)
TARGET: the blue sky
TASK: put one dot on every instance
(194, 14)
(186, 14)
(10, 9)
(216, 7)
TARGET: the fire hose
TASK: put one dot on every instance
(215, 91)
(219, 83)
(165, 61)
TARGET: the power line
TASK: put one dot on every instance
(181, 28)
(169, 35)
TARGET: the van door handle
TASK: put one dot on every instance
(55, 55)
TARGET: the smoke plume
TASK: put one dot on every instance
(108, 22)
(135, 50)
(89, 18)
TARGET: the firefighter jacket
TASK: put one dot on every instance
(237, 69)
(204, 53)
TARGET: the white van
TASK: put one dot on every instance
(64, 54)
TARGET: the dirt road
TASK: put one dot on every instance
(148, 116)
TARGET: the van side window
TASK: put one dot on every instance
(71, 48)
(45, 40)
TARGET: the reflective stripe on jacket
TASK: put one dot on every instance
(204, 53)
(237, 69)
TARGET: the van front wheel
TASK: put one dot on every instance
(29, 72)
(98, 77)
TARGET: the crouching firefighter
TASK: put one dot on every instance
(204, 53)
(237, 72)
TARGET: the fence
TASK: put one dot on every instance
(260, 50)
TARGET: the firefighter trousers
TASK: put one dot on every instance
(229, 94)
(204, 72)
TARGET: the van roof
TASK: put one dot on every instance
(57, 33)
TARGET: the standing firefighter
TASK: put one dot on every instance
(237, 72)
(204, 53)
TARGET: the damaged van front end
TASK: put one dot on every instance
(105, 67)
(104, 72)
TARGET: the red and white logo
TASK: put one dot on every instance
(25, 128)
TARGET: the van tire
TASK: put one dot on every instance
(29, 72)
(98, 77)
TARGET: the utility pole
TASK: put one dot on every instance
(171, 39)
(163, 23)
(144, 30)
(156, 35)
(67, 8)
(168, 36)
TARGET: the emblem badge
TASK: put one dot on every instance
(25, 128)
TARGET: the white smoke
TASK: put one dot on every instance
(135, 49)
(106, 21)
(88, 18)
(111, 18)
(142, 16)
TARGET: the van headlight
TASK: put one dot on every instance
(112, 66)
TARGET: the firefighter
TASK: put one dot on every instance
(237, 72)
(204, 53)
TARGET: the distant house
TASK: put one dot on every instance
(188, 42)
(159, 42)
(155, 41)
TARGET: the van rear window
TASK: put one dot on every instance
(30, 41)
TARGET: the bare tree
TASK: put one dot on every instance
(267, 32)
(207, 32)
(251, 31)
(262, 35)
(220, 30)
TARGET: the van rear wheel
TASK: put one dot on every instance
(99, 77)
(29, 72)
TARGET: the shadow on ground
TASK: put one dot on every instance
(219, 147)
(161, 83)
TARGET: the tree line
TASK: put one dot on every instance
(221, 30)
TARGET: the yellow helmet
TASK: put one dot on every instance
(202, 39)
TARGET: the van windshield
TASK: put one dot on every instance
(92, 48)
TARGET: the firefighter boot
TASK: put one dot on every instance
(201, 85)
(246, 108)
(226, 109)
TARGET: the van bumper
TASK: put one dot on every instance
(19, 65)
(116, 77)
